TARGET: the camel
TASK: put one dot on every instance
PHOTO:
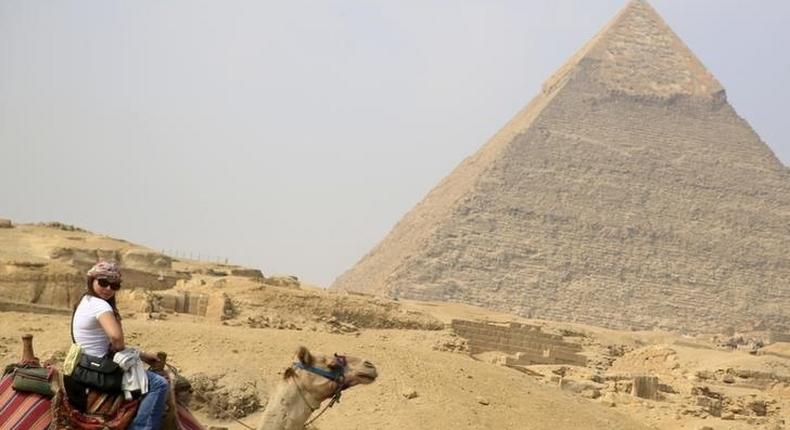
(308, 382)
(311, 380)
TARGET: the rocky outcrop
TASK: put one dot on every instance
(30, 282)
(81, 257)
(142, 260)
(247, 273)
(141, 269)
(61, 226)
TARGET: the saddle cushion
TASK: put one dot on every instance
(34, 380)
(21, 410)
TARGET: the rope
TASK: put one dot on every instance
(300, 390)
(335, 399)
(239, 421)
(328, 405)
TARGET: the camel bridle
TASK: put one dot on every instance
(336, 374)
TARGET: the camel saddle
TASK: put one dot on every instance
(27, 410)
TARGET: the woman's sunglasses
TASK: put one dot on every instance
(115, 286)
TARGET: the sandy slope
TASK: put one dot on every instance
(454, 391)
(450, 387)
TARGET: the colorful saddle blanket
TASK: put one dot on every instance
(30, 411)
(20, 410)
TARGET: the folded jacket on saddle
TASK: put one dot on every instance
(33, 380)
(134, 377)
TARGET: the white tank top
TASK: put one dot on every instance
(87, 330)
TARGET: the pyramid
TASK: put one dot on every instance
(627, 194)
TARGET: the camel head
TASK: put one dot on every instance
(325, 376)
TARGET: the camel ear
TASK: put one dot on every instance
(304, 356)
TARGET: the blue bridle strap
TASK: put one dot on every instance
(336, 375)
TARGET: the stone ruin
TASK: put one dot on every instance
(528, 344)
(157, 304)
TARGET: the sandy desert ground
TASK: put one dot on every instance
(423, 384)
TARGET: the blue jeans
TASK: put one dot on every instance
(152, 405)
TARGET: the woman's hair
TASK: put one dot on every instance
(89, 292)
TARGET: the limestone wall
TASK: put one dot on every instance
(779, 337)
(184, 302)
(527, 342)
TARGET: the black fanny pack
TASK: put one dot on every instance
(101, 374)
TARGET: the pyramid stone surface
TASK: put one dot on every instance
(627, 194)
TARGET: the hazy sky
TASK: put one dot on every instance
(291, 136)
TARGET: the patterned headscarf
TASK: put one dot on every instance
(105, 270)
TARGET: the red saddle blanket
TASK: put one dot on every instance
(30, 411)
(22, 411)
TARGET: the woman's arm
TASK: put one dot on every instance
(113, 330)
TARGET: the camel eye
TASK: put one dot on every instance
(338, 363)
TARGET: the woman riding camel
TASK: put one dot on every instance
(97, 328)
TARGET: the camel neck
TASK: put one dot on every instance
(287, 409)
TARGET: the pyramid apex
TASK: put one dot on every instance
(638, 54)
(638, 4)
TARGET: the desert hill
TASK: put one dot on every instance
(431, 376)
(42, 269)
(628, 194)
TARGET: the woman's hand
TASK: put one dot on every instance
(150, 359)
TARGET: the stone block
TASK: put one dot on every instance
(645, 387)
(247, 273)
(220, 307)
